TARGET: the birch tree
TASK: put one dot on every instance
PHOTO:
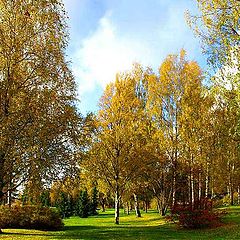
(116, 154)
(37, 92)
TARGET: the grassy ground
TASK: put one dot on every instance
(149, 227)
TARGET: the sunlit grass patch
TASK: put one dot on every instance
(151, 226)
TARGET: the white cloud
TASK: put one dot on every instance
(104, 53)
(119, 40)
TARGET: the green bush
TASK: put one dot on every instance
(30, 217)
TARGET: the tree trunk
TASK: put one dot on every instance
(231, 187)
(117, 205)
(159, 206)
(232, 198)
(103, 205)
(146, 206)
(199, 187)
(212, 189)
(2, 161)
(207, 183)
(9, 199)
(162, 208)
(163, 211)
(231, 193)
(128, 209)
(174, 186)
(238, 191)
(138, 213)
(191, 188)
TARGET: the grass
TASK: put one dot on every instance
(149, 227)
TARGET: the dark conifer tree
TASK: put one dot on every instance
(94, 201)
(83, 205)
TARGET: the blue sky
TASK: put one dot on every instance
(107, 36)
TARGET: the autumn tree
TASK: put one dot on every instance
(164, 106)
(218, 28)
(116, 153)
(174, 104)
(37, 93)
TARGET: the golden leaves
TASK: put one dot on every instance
(36, 85)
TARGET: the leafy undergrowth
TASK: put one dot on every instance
(149, 226)
(30, 217)
(201, 216)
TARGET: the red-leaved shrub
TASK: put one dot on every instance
(198, 218)
(201, 215)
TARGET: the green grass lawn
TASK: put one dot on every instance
(149, 227)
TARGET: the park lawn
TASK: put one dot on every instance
(149, 227)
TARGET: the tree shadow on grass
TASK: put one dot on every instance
(121, 232)
(27, 234)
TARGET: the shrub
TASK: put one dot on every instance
(199, 216)
(30, 217)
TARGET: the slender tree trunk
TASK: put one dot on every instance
(128, 209)
(174, 183)
(146, 206)
(10, 198)
(212, 189)
(199, 187)
(232, 198)
(207, 183)
(231, 183)
(2, 161)
(231, 193)
(163, 211)
(162, 207)
(9, 193)
(103, 205)
(238, 194)
(192, 181)
(192, 190)
(206, 187)
(117, 205)
(125, 209)
(137, 210)
(238, 191)
(158, 206)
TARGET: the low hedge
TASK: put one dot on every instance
(30, 217)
